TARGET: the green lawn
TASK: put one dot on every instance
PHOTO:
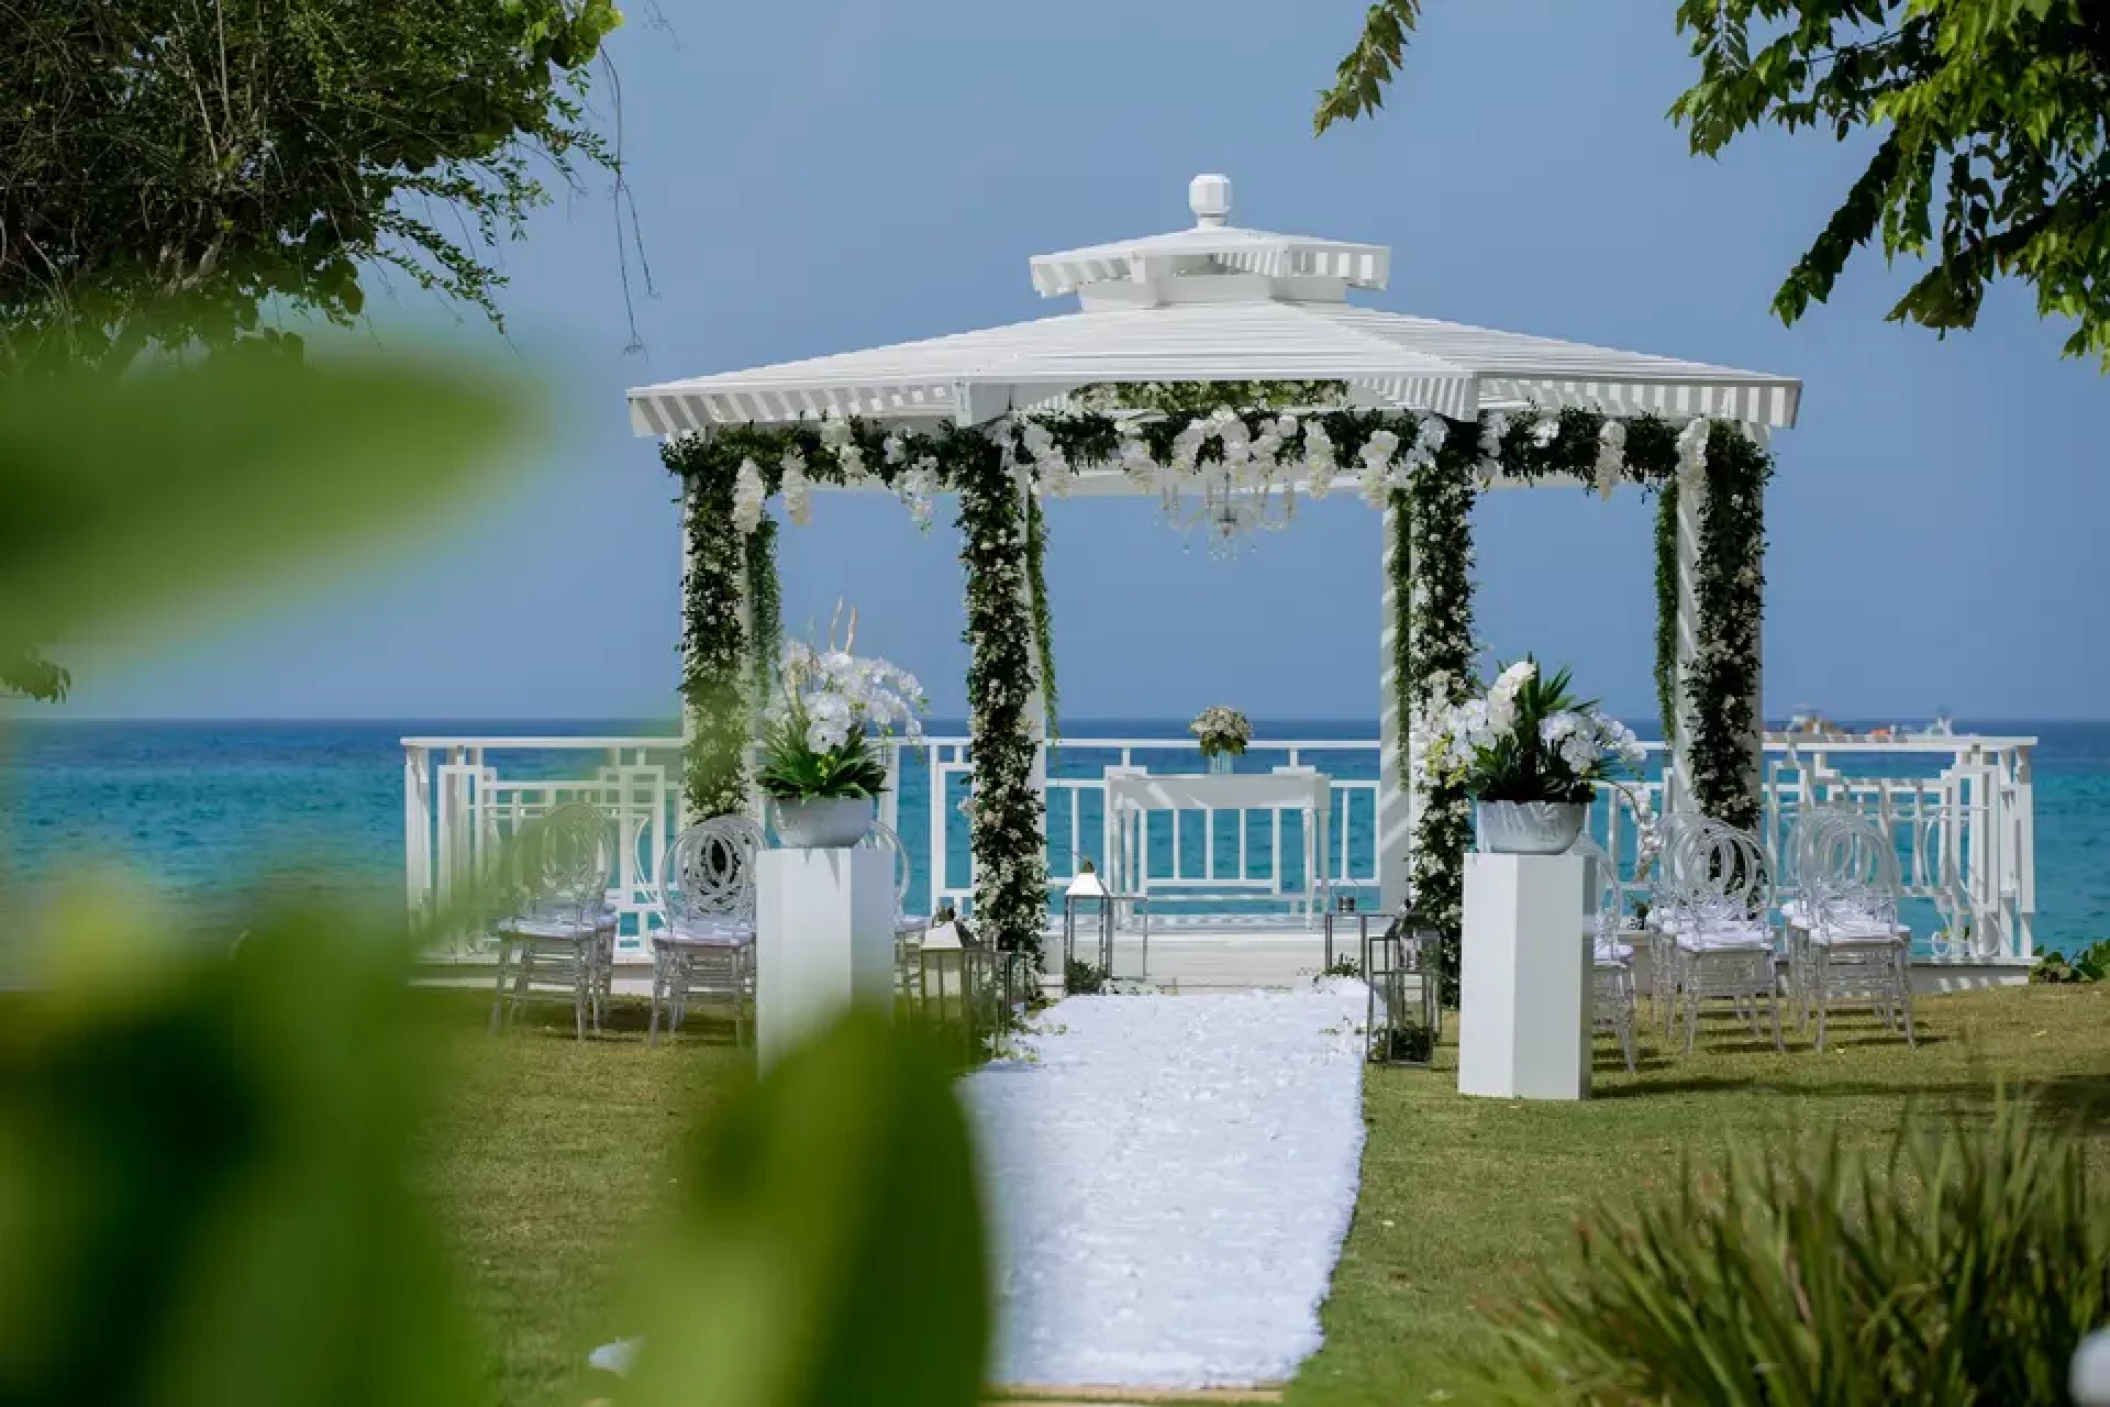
(548, 1159)
(552, 1152)
(1461, 1198)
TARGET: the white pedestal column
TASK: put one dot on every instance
(824, 939)
(1524, 1018)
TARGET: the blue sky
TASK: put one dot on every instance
(824, 176)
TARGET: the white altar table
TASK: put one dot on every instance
(1132, 794)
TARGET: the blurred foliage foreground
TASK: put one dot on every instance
(207, 1197)
(206, 1160)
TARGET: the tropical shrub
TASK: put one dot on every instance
(1963, 1268)
(2091, 964)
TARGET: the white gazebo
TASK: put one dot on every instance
(1226, 372)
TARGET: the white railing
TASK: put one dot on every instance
(1960, 809)
(460, 810)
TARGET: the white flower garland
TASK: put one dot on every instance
(1387, 451)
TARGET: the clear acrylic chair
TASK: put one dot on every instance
(556, 939)
(1612, 997)
(704, 948)
(1855, 947)
(1721, 904)
(1680, 838)
(1805, 839)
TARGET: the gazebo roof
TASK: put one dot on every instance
(1216, 303)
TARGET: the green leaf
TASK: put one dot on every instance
(1361, 78)
(202, 1190)
(120, 496)
(830, 1247)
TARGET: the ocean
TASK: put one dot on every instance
(213, 814)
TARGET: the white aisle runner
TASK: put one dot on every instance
(1172, 1181)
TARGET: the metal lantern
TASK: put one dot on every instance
(1086, 890)
(1403, 1014)
(949, 975)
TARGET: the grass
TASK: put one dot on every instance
(1463, 1198)
(551, 1155)
(546, 1163)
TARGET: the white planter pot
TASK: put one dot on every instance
(831, 823)
(1530, 827)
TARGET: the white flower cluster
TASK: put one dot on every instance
(919, 490)
(749, 494)
(1586, 740)
(1051, 467)
(840, 437)
(838, 692)
(1611, 456)
(1221, 729)
(798, 494)
(1587, 743)
(1482, 722)
(1492, 429)
(1378, 451)
(1692, 450)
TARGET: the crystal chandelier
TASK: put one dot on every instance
(1226, 511)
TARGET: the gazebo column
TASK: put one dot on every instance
(1395, 798)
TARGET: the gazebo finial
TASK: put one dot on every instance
(1209, 197)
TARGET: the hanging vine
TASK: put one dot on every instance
(714, 651)
(765, 612)
(1667, 608)
(1043, 617)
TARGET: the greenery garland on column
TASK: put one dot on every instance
(1404, 694)
(1723, 688)
(1439, 652)
(1667, 608)
(1043, 616)
(715, 662)
(1010, 849)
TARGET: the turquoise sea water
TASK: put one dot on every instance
(211, 812)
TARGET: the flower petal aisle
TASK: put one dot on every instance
(1172, 1180)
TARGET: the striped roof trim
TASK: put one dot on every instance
(1410, 362)
(1244, 251)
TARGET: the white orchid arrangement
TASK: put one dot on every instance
(1222, 730)
(815, 739)
(1528, 739)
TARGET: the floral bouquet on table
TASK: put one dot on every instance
(818, 762)
(1223, 732)
(1532, 755)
